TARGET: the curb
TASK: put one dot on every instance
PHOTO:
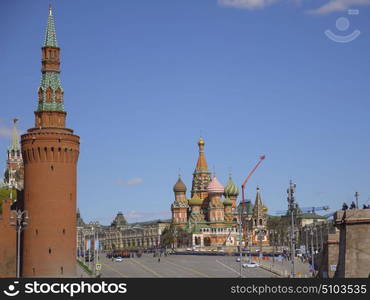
(272, 271)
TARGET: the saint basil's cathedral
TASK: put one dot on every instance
(211, 215)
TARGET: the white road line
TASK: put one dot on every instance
(226, 266)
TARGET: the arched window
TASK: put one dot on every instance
(41, 98)
(261, 222)
(58, 95)
(48, 95)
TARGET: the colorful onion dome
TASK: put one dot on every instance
(231, 190)
(179, 187)
(201, 141)
(215, 187)
(228, 202)
(195, 200)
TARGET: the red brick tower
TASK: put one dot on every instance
(50, 153)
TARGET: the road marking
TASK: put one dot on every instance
(146, 268)
(188, 269)
(110, 267)
(226, 266)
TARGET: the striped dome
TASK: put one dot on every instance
(215, 187)
(231, 190)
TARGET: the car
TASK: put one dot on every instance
(238, 259)
(251, 264)
(119, 259)
(189, 249)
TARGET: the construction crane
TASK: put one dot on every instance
(243, 192)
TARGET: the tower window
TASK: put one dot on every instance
(64, 231)
(37, 231)
(49, 250)
(52, 167)
(261, 222)
(61, 270)
(33, 271)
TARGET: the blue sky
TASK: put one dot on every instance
(142, 79)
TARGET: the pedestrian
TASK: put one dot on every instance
(159, 259)
(344, 206)
(353, 205)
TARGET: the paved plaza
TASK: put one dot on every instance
(179, 266)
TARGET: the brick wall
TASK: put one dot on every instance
(354, 244)
(7, 243)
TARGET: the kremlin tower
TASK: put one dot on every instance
(50, 152)
(13, 177)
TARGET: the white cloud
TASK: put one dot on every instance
(338, 5)
(247, 4)
(132, 181)
(135, 181)
(328, 7)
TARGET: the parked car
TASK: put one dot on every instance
(119, 259)
(238, 259)
(251, 264)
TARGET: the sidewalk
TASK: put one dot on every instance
(284, 268)
(81, 273)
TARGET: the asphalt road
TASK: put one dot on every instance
(179, 266)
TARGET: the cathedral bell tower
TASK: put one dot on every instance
(50, 152)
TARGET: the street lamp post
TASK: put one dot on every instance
(357, 195)
(95, 235)
(312, 252)
(18, 219)
(240, 245)
(291, 208)
(241, 214)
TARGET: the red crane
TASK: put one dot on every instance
(243, 189)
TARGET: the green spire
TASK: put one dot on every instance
(14, 146)
(50, 36)
(50, 84)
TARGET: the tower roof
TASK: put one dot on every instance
(50, 89)
(14, 146)
(258, 206)
(50, 35)
(201, 163)
(119, 220)
(179, 186)
(231, 190)
(215, 187)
